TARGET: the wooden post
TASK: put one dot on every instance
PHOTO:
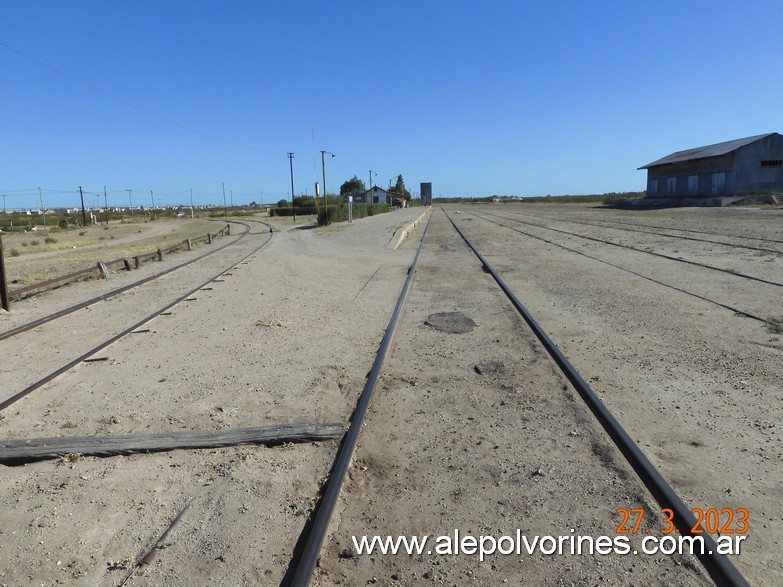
(102, 268)
(209, 239)
(136, 262)
(6, 303)
(190, 244)
(160, 254)
(127, 264)
(228, 230)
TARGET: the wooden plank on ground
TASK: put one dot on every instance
(15, 452)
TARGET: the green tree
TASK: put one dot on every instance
(399, 189)
(352, 187)
(282, 203)
(302, 201)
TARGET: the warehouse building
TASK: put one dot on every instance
(721, 173)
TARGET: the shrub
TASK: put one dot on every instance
(14, 252)
(339, 212)
(300, 211)
(50, 240)
(35, 242)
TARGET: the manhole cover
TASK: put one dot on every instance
(454, 322)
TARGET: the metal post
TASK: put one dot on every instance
(84, 213)
(291, 161)
(6, 303)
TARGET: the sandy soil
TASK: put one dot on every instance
(473, 431)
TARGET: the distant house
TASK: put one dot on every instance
(742, 167)
(374, 195)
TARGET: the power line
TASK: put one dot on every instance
(129, 104)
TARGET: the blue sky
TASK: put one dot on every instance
(480, 98)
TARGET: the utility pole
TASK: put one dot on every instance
(225, 210)
(152, 209)
(191, 204)
(291, 162)
(326, 198)
(326, 201)
(84, 212)
(130, 198)
(4, 196)
(43, 209)
(106, 204)
(231, 193)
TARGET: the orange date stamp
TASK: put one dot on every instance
(714, 521)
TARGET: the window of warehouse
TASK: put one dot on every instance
(671, 185)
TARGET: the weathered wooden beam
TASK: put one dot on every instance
(17, 452)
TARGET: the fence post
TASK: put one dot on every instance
(6, 303)
(102, 268)
(228, 230)
(209, 239)
(136, 262)
(190, 244)
(160, 254)
(127, 264)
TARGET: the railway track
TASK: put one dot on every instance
(512, 431)
(312, 540)
(687, 230)
(117, 291)
(726, 306)
(638, 229)
(40, 382)
(646, 252)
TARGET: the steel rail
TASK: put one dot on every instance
(43, 381)
(304, 566)
(108, 295)
(717, 565)
(639, 230)
(753, 238)
(653, 253)
(632, 272)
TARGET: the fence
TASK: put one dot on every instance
(101, 266)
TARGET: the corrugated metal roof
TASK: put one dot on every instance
(708, 151)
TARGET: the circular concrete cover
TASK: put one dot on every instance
(454, 322)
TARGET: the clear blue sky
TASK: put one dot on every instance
(480, 98)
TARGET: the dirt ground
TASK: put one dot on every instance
(471, 427)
